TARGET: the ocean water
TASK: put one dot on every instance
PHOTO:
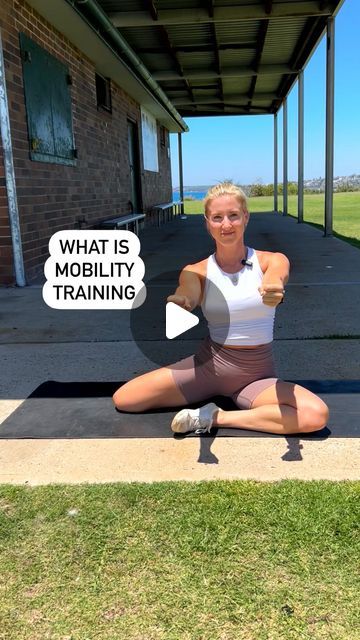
(196, 195)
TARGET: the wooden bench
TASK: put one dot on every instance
(166, 211)
(123, 221)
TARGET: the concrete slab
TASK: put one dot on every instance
(68, 461)
(325, 277)
(38, 343)
(29, 365)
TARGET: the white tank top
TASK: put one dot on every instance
(237, 316)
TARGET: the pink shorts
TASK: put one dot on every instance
(240, 374)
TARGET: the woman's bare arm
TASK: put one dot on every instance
(188, 293)
(276, 269)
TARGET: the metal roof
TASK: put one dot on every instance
(189, 58)
(218, 57)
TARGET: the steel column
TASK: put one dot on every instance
(275, 163)
(329, 142)
(301, 147)
(285, 160)
(181, 181)
(10, 177)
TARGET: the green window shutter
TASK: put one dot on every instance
(48, 105)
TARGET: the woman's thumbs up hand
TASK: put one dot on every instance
(272, 294)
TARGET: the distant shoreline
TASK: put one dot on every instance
(353, 179)
(315, 185)
(192, 194)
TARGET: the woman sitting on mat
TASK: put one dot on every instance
(236, 359)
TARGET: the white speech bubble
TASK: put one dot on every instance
(91, 269)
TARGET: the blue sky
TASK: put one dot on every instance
(241, 148)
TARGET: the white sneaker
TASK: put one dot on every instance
(198, 420)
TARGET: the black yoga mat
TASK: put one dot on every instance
(85, 410)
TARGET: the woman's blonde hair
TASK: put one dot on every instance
(226, 188)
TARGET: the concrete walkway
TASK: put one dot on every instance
(38, 344)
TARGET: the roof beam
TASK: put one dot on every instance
(167, 44)
(204, 87)
(225, 110)
(216, 49)
(310, 35)
(219, 106)
(231, 98)
(261, 42)
(151, 9)
(256, 11)
(199, 48)
(177, 89)
(268, 6)
(171, 52)
(227, 72)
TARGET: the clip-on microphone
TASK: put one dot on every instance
(246, 262)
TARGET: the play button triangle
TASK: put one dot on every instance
(178, 320)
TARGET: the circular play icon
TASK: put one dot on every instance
(164, 331)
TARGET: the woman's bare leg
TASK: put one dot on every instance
(152, 390)
(282, 408)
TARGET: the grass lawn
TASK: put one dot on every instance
(180, 561)
(346, 215)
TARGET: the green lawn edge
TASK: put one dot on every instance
(209, 560)
(346, 212)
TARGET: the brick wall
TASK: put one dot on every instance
(53, 196)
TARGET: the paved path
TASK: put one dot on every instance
(38, 343)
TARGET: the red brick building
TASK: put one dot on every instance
(76, 108)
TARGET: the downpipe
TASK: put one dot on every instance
(10, 177)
